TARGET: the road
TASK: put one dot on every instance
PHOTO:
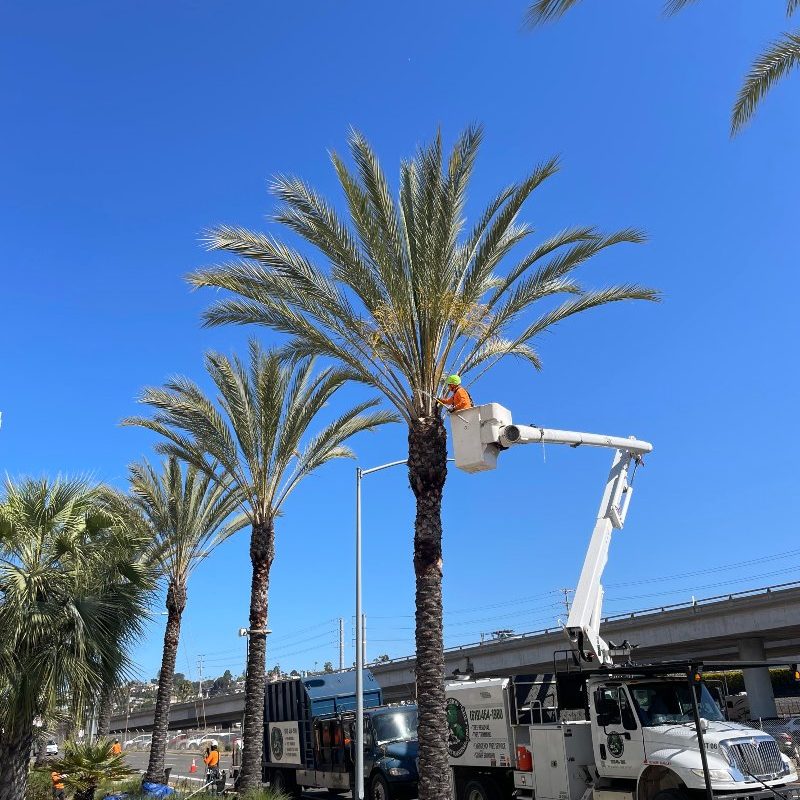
(181, 762)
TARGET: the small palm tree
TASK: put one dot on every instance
(411, 296)
(84, 766)
(61, 601)
(185, 514)
(782, 56)
(255, 441)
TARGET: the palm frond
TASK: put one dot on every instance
(772, 65)
(547, 11)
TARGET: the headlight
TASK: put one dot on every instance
(719, 775)
(398, 772)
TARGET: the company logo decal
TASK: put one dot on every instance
(616, 745)
(276, 744)
(457, 728)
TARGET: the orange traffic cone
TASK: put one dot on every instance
(193, 768)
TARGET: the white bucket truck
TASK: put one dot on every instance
(598, 730)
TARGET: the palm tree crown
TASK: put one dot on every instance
(252, 439)
(411, 296)
(73, 594)
(187, 513)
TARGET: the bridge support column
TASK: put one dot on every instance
(756, 681)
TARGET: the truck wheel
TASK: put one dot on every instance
(379, 788)
(477, 790)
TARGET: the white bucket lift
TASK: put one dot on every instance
(481, 433)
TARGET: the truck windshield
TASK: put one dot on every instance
(398, 726)
(665, 702)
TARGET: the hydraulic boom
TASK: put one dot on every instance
(480, 434)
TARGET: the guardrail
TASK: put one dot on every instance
(764, 590)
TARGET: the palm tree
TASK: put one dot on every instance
(84, 766)
(411, 296)
(186, 516)
(62, 596)
(255, 440)
(774, 63)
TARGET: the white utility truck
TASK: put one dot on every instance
(596, 730)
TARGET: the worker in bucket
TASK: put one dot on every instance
(456, 397)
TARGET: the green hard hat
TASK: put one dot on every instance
(453, 380)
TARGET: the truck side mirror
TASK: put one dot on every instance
(603, 720)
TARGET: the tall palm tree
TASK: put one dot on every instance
(61, 598)
(255, 440)
(186, 514)
(780, 58)
(410, 296)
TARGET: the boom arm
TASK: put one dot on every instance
(481, 433)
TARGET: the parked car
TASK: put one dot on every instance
(141, 742)
(51, 748)
(178, 741)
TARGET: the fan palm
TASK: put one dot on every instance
(255, 440)
(774, 63)
(411, 296)
(186, 514)
(62, 597)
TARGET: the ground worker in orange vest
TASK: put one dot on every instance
(211, 759)
(116, 748)
(58, 786)
(456, 397)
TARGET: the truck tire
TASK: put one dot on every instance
(478, 790)
(379, 788)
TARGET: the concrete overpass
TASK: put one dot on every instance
(753, 625)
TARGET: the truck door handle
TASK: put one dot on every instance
(603, 752)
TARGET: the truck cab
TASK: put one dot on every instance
(644, 733)
(390, 751)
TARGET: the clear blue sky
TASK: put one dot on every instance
(130, 127)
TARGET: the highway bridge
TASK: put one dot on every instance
(754, 625)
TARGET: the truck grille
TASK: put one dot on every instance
(758, 758)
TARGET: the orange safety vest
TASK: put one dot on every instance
(56, 778)
(459, 399)
(116, 749)
(212, 759)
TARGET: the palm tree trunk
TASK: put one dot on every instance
(262, 552)
(427, 471)
(14, 757)
(176, 602)
(104, 712)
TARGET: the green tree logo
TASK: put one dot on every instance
(615, 745)
(276, 744)
(458, 728)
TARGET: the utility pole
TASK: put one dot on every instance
(341, 643)
(200, 673)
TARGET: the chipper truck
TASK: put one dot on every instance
(309, 737)
(594, 729)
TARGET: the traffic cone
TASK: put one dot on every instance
(193, 768)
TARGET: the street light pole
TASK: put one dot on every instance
(359, 737)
